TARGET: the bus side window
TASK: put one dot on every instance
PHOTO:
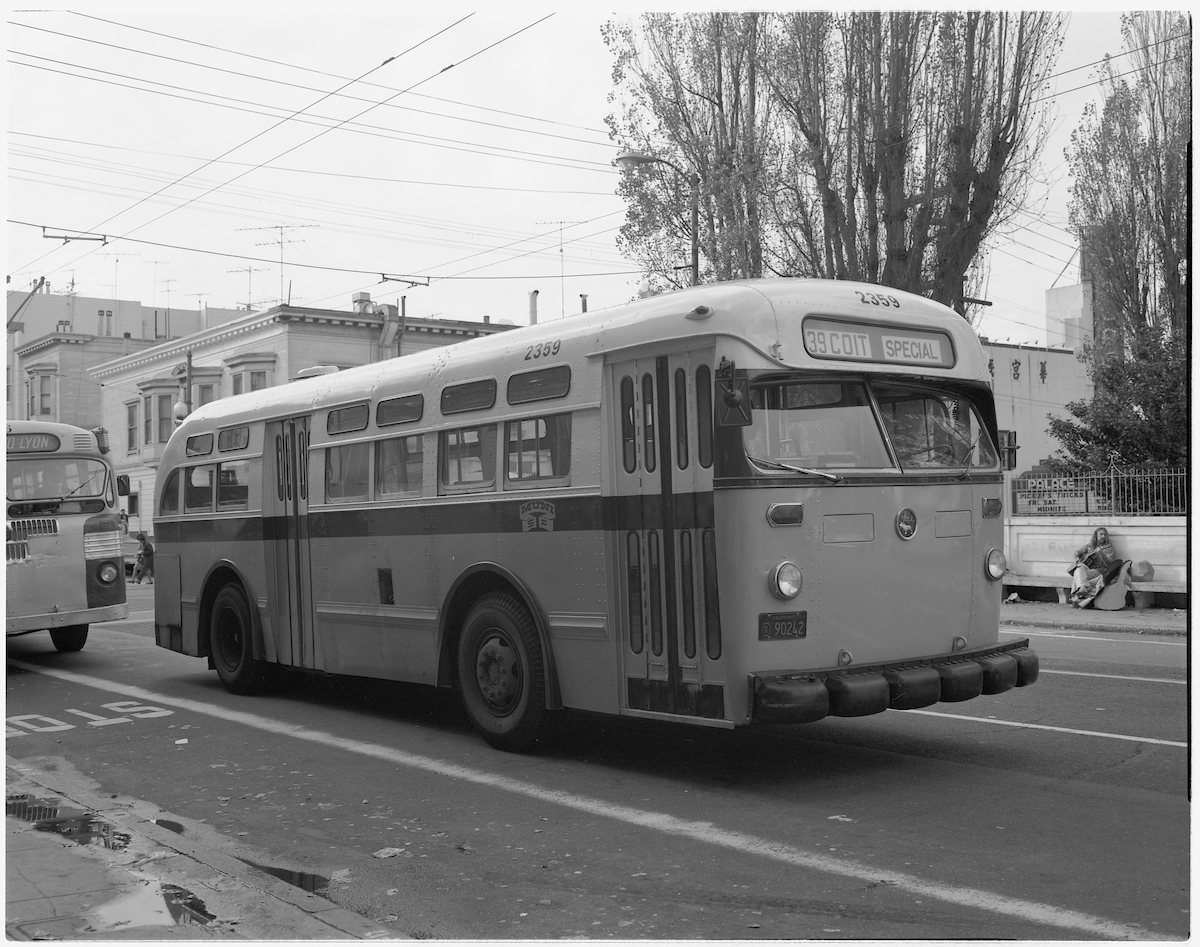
(346, 470)
(538, 448)
(198, 491)
(704, 415)
(233, 485)
(170, 496)
(628, 428)
(398, 466)
(467, 456)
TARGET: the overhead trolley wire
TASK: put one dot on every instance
(331, 75)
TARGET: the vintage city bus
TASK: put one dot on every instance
(766, 501)
(62, 533)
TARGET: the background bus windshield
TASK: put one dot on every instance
(55, 478)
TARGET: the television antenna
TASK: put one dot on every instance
(249, 271)
(282, 242)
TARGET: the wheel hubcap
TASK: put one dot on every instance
(498, 673)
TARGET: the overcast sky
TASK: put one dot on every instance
(469, 147)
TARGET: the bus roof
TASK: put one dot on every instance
(69, 437)
(767, 315)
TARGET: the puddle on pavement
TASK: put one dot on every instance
(150, 904)
(48, 815)
(303, 880)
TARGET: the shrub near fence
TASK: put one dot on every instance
(1130, 492)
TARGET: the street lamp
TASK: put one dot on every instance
(631, 159)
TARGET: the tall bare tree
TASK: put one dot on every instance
(884, 147)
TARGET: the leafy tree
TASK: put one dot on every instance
(1130, 161)
(1139, 413)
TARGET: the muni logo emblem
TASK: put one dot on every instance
(537, 516)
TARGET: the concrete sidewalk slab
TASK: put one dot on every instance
(80, 866)
(1139, 621)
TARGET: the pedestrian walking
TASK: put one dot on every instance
(144, 565)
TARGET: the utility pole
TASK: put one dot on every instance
(282, 242)
(562, 279)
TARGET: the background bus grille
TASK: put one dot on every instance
(17, 551)
(23, 529)
(85, 442)
(102, 545)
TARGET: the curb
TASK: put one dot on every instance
(1085, 625)
(309, 915)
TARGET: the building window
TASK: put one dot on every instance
(148, 419)
(237, 383)
(164, 419)
(134, 506)
(258, 381)
(131, 427)
(206, 394)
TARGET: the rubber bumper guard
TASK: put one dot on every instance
(804, 697)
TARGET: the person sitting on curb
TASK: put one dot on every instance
(1092, 561)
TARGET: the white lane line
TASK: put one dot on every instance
(1040, 726)
(1122, 638)
(1118, 677)
(1031, 911)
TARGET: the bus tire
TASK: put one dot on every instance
(501, 673)
(231, 640)
(69, 637)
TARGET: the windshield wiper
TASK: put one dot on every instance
(776, 465)
(971, 450)
(81, 486)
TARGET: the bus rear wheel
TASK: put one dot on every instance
(231, 642)
(69, 637)
(501, 673)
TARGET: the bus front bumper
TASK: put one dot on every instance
(27, 623)
(807, 696)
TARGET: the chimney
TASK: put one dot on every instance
(125, 343)
(533, 295)
(486, 320)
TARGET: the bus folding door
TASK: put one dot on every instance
(665, 545)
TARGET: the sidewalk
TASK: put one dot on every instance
(1139, 621)
(79, 866)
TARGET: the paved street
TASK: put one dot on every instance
(1058, 811)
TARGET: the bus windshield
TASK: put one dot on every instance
(55, 478)
(825, 424)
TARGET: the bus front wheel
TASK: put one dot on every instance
(231, 639)
(69, 637)
(501, 673)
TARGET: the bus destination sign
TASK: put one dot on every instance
(32, 443)
(862, 342)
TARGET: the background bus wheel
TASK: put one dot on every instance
(231, 639)
(500, 673)
(70, 637)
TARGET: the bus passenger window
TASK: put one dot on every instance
(681, 422)
(233, 485)
(170, 496)
(467, 456)
(346, 472)
(538, 448)
(398, 466)
(198, 490)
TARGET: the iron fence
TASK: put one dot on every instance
(1130, 491)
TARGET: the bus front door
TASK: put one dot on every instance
(287, 532)
(671, 636)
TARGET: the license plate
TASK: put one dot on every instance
(775, 626)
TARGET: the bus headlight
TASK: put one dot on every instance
(995, 564)
(108, 573)
(785, 580)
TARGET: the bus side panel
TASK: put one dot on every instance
(168, 606)
(564, 570)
